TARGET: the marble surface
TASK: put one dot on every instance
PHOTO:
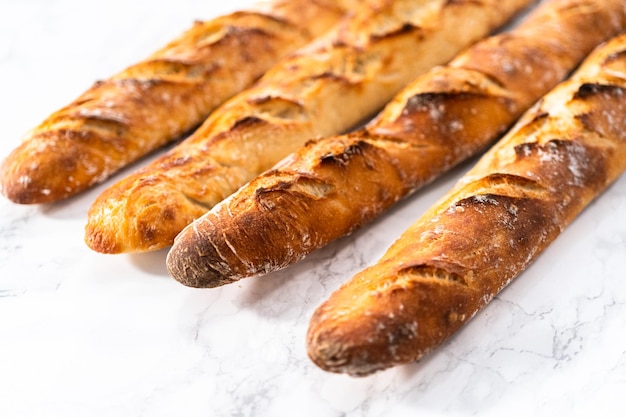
(83, 334)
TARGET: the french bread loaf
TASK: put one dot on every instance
(158, 100)
(498, 218)
(334, 185)
(325, 88)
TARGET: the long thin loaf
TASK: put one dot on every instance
(334, 185)
(325, 88)
(155, 101)
(500, 216)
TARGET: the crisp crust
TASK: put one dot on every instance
(336, 184)
(499, 217)
(325, 88)
(155, 101)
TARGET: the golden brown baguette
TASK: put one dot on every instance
(499, 217)
(324, 89)
(120, 119)
(335, 185)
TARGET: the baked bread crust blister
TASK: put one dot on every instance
(325, 88)
(499, 217)
(336, 184)
(158, 100)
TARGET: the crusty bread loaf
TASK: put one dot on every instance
(324, 89)
(498, 218)
(334, 185)
(120, 119)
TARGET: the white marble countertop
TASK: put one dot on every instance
(83, 334)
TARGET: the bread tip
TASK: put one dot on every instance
(26, 196)
(19, 185)
(326, 355)
(103, 231)
(108, 232)
(346, 347)
(100, 242)
(330, 354)
(190, 265)
(138, 214)
(16, 194)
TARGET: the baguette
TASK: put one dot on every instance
(498, 218)
(334, 185)
(325, 88)
(149, 104)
